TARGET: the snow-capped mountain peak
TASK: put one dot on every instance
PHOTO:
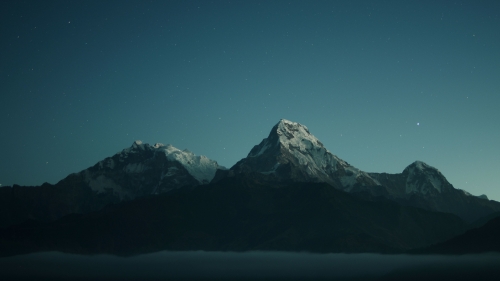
(200, 167)
(296, 135)
(425, 179)
(421, 166)
(292, 152)
(288, 134)
(143, 169)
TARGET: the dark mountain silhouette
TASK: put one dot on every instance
(483, 239)
(239, 214)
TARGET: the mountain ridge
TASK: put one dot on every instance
(292, 153)
(137, 171)
(290, 193)
(289, 154)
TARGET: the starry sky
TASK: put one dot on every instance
(380, 83)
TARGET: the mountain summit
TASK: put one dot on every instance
(143, 169)
(425, 179)
(291, 152)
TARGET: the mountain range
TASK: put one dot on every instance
(289, 193)
(292, 153)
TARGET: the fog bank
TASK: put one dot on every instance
(248, 266)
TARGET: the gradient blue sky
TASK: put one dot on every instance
(380, 83)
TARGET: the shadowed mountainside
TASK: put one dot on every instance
(477, 240)
(239, 214)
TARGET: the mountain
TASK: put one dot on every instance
(143, 169)
(134, 172)
(290, 193)
(292, 154)
(289, 154)
(483, 239)
(424, 186)
(240, 213)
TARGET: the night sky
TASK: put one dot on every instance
(380, 83)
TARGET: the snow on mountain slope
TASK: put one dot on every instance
(291, 151)
(143, 169)
(200, 167)
(425, 179)
(318, 161)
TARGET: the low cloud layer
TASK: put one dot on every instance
(248, 266)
